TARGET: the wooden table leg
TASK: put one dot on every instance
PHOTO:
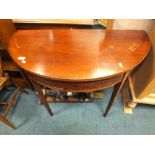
(116, 90)
(25, 76)
(42, 97)
(7, 122)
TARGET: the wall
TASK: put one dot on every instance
(134, 24)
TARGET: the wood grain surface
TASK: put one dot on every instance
(78, 55)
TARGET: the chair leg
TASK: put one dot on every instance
(7, 122)
(12, 100)
(116, 90)
(42, 97)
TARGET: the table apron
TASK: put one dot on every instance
(72, 86)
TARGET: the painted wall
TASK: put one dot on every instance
(134, 24)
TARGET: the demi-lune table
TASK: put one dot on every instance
(78, 60)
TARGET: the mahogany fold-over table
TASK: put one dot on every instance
(78, 60)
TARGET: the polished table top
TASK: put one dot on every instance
(78, 55)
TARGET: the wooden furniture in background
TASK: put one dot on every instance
(76, 60)
(4, 82)
(63, 23)
(141, 84)
(108, 23)
(7, 29)
(56, 21)
(22, 24)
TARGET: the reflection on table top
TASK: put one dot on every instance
(78, 55)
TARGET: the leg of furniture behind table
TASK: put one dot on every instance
(7, 122)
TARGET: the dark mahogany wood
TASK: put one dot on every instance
(85, 86)
(81, 60)
(78, 55)
(7, 28)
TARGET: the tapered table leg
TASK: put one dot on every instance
(25, 76)
(42, 97)
(116, 90)
(7, 122)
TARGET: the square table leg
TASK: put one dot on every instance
(42, 97)
(116, 91)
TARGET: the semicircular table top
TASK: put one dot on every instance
(78, 54)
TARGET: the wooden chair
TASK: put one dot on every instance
(4, 82)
